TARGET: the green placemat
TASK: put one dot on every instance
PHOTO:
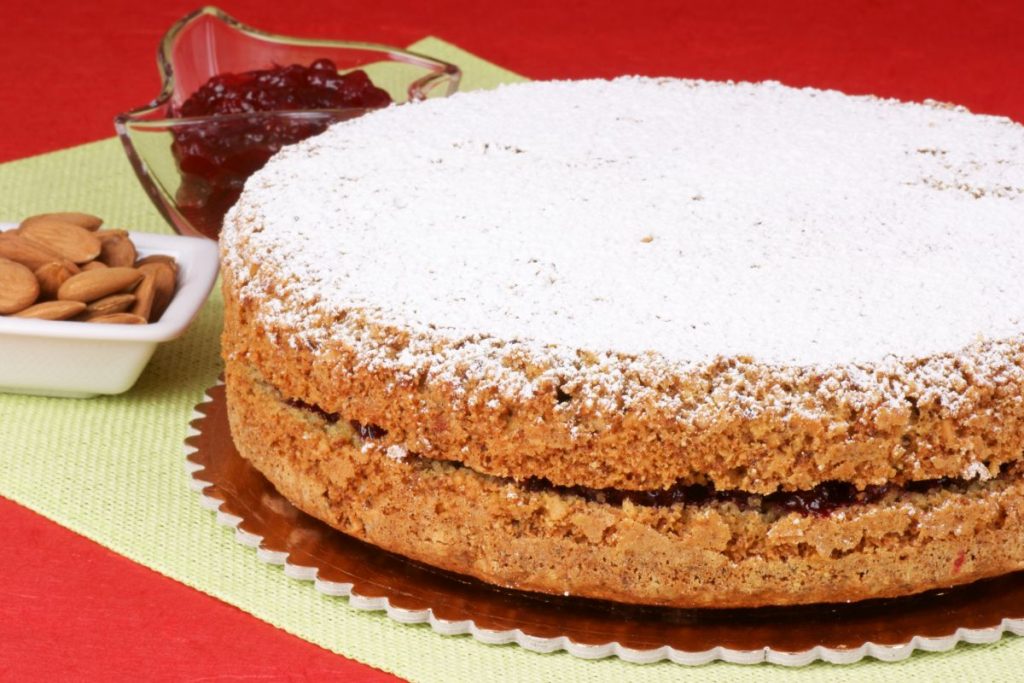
(112, 469)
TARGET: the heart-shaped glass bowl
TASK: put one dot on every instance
(208, 42)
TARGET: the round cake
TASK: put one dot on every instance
(657, 341)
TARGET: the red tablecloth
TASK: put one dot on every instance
(69, 608)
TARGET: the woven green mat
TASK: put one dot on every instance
(112, 469)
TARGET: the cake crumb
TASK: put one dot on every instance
(397, 452)
(977, 470)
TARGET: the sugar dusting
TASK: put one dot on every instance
(663, 227)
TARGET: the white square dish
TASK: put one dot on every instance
(79, 360)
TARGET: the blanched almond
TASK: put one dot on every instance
(117, 251)
(115, 303)
(82, 220)
(90, 285)
(51, 276)
(67, 239)
(119, 319)
(18, 287)
(52, 310)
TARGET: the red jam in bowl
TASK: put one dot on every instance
(215, 157)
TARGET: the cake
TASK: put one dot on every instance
(656, 341)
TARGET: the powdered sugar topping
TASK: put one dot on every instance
(677, 221)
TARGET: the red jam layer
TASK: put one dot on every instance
(365, 432)
(215, 157)
(820, 501)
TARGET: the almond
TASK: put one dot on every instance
(67, 239)
(144, 294)
(119, 319)
(26, 252)
(51, 277)
(104, 235)
(158, 258)
(82, 220)
(165, 276)
(117, 251)
(18, 287)
(90, 285)
(115, 303)
(81, 272)
(52, 310)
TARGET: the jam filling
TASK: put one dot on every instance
(367, 432)
(330, 418)
(820, 501)
(215, 157)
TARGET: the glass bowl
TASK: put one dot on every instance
(208, 42)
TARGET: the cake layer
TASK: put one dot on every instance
(716, 554)
(823, 499)
(634, 283)
(735, 424)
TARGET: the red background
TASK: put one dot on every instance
(67, 67)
